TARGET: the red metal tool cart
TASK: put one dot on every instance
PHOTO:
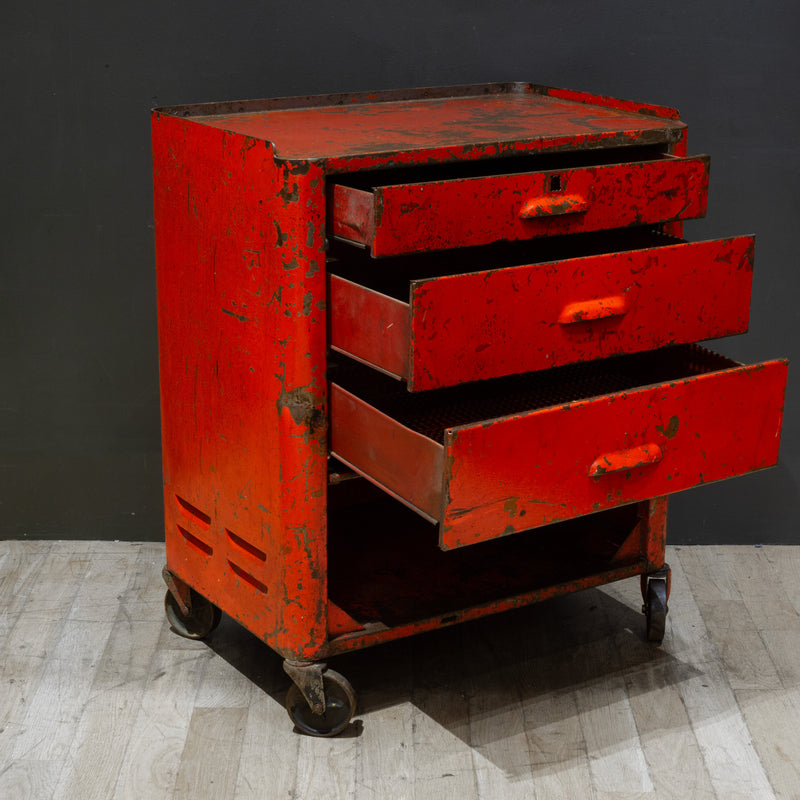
(476, 299)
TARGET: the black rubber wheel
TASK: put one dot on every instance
(340, 705)
(655, 609)
(202, 619)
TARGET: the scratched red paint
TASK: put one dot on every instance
(488, 324)
(524, 470)
(728, 424)
(391, 129)
(241, 296)
(439, 215)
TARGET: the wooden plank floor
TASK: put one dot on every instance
(562, 700)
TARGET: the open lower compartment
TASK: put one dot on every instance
(491, 459)
(440, 207)
(444, 319)
(385, 569)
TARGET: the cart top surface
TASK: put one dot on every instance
(493, 118)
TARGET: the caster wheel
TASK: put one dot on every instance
(655, 609)
(202, 619)
(340, 705)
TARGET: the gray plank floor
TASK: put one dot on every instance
(562, 700)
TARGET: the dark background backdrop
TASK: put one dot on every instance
(79, 415)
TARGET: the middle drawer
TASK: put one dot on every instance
(623, 294)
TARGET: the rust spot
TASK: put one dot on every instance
(313, 269)
(672, 427)
(293, 167)
(410, 207)
(289, 195)
(280, 241)
(302, 407)
(291, 264)
(510, 506)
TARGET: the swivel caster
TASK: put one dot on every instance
(655, 590)
(192, 616)
(320, 702)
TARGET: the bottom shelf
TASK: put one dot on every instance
(385, 566)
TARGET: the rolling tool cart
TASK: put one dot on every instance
(429, 355)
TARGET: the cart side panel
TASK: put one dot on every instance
(242, 343)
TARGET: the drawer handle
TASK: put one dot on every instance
(587, 310)
(625, 459)
(553, 206)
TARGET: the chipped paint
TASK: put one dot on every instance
(391, 220)
(289, 195)
(536, 299)
(240, 317)
(671, 428)
(303, 408)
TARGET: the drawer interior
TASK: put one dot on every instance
(431, 413)
(501, 166)
(392, 275)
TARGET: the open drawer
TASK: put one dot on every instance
(628, 292)
(429, 212)
(489, 460)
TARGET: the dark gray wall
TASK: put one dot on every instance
(79, 424)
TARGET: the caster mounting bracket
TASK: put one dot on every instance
(307, 676)
(179, 590)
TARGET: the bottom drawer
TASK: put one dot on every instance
(488, 460)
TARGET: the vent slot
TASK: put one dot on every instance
(195, 542)
(248, 548)
(192, 513)
(247, 577)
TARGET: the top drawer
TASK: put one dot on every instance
(396, 218)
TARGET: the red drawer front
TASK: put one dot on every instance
(488, 324)
(556, 462)
(439, 215)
